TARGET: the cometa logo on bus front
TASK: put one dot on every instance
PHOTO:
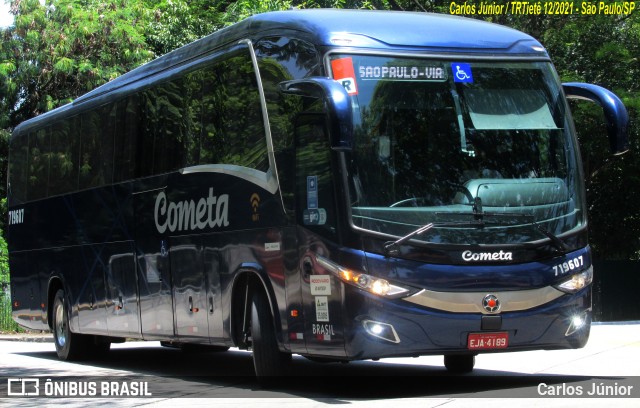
(469, 256)
(187, 215)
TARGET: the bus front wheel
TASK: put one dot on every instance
(268, 360)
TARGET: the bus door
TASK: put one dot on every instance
(123, 316)
(154, 265)
(196, 290)
(321, 293)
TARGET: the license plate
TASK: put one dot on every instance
(487, 341)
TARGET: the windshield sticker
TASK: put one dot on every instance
(344, 73)
(312, 191)
(320, 285)
(322, 308)
(314, 216)
(461, 72)
(402, 73)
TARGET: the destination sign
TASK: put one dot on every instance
(402, 73)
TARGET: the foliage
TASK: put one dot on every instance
(174, 23)
(7, 324)
(4, 154)
(242, 9)
(4, 263)
(4, 254)
(54, 53)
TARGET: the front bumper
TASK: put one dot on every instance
(562, 323)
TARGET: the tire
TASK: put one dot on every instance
(459, 363)
(69, 346)
(268, 360)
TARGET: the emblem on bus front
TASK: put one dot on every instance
(491, 303)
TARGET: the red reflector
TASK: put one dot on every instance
(294, 313)
(16, 304)
(487, 341)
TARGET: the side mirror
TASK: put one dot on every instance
(614, 111)
(340, 116)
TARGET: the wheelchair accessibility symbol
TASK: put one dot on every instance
(461, 72)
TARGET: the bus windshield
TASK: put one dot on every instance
(446, 142)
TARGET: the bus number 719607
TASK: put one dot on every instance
(568, 266)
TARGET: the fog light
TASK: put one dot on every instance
(577, 323)
(377, 329)
(382, 331)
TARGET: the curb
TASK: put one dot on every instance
(31, 338)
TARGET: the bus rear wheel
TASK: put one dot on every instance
(69, 345)
(459, 363)
(268, 360)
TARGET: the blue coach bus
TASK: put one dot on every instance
(341, 185)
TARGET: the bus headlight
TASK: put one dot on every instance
(372, 284)
(577, 282)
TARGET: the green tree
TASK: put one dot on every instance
(57, 52)
(4, 255)
(241, 9)
(174, 23)
(4, 263)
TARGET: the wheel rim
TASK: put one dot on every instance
(61, 326)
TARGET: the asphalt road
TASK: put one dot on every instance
(173, 378)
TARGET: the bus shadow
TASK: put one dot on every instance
(172, 373)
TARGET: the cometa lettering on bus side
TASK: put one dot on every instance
(187, 215)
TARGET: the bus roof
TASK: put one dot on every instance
(398, 29)
(355, 29)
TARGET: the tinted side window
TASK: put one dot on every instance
(146, 135)
(96, 147)
(211, 142)
(232, 121)
(170, 130)
(65, 150)
(242, 123)
(194, 88)
(18, 174)
(126, 135)
(163, 129)
(39, 154)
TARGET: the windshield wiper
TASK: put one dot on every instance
(557, 242)
(479, 215)
(392, 247)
